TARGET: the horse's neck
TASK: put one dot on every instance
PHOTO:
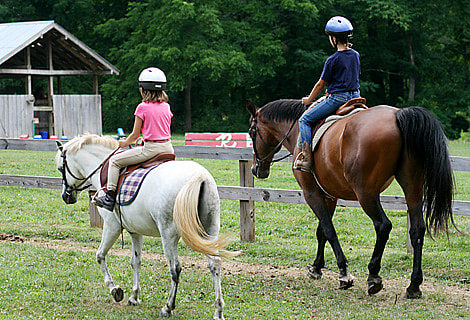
(291, 141)
(89, 158)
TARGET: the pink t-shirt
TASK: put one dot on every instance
(156, 118)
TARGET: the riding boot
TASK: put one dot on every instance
(107, 201)
(304, 159)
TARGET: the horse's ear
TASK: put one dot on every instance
(60, 146)
(251, 107)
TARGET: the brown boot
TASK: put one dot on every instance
(304, 159)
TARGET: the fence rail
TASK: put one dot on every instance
(245, 193)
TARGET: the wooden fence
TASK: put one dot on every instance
(245, 193)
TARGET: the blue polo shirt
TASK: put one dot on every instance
(341, 71)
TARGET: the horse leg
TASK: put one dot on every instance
(215, 268)
(111, 232)
(170, 242)
(136, 262)
(383, 226)
(417, 231)
(322, 211)
(411, 184)
(314, 271)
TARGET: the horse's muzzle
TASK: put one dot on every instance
(259, 173)
(69, 198)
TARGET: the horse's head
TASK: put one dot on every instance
(264, 143)
(69, 192)
(73, 171)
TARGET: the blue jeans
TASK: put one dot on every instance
(324, 109)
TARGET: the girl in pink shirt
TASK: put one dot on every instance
(153, 119)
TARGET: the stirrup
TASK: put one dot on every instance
(300, 168)
(107, 201)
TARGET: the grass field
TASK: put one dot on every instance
(53, 274)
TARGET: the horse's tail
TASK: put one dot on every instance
(425, 141)
(186, 217)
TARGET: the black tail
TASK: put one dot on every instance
(425, 141)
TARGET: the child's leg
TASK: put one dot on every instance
(121, 160)
(134, 156)
(320, 111)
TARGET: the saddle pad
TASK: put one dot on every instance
(130, 186)
(325, 125)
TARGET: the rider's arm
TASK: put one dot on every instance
(134, 135)
(315, 92)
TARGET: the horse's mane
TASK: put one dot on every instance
(282, 110)
(76, 144)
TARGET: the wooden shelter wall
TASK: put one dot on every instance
(16, 115)
(77, 114)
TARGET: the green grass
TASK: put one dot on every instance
(41, 282)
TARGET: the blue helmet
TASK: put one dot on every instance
(338, 26)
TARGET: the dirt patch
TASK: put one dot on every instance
(392, 294)
(10, 237)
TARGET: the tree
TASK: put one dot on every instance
(227, 46)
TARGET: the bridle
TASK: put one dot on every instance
(254, 132)
(64, 169)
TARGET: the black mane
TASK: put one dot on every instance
(282, 110)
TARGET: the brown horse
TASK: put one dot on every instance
(357, 158)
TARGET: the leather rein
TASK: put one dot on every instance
(254, 132)
(66, 169)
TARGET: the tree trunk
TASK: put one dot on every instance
(187, 105)
(412, 85)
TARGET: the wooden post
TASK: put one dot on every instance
(50, 83)
(247, 207)
(95, 84)
(95, 218)
(29, 87)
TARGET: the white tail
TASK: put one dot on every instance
(186, 217)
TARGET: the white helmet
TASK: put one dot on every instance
(152, 79)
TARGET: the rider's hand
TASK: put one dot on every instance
(123, 143)
(306, 101)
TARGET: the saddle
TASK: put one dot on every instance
(345, 109)
(351, 105)
(349, 108)
(155, 161)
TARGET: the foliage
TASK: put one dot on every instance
(218, 53)
(465, 136)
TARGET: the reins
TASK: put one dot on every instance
(275, 149)
(65, 169)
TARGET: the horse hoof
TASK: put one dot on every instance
(218, 316)
(344, 285)
(133, 302)
(314, 273)
(346, 281)
(165, 312)
(374, 285)
(410, 294)
(117, 294)
(374, 288)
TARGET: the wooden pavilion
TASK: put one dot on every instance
(40, 50)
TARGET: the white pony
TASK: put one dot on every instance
(178, 198)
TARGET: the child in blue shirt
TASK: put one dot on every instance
(340, 75)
